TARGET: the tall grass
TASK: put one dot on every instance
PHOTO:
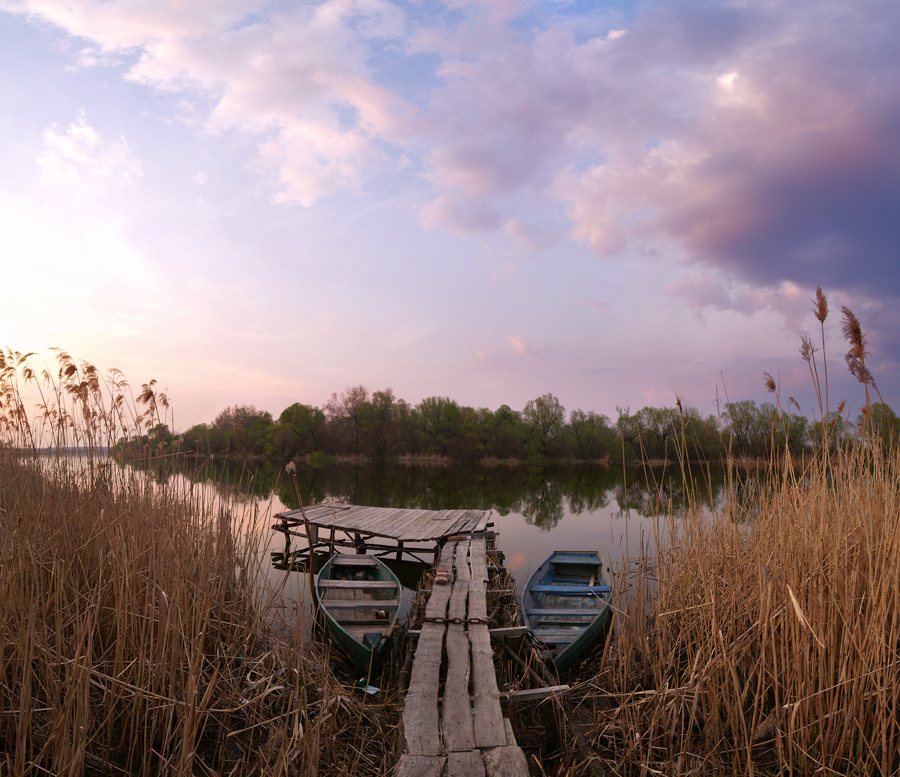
(766, 640)
(762, 636)
(134, 637)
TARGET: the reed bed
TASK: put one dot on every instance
(135, 636)
(763, 636)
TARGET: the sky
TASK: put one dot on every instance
(619, 203)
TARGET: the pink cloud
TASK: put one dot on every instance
(522, 347)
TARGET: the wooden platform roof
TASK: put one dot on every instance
(396, 523)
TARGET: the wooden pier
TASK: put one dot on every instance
(415, 533)
(453, 725)
(462, 732)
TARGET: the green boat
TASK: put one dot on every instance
(359, 598)
(566, 605)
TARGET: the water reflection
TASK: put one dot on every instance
(543, 495)
(535, 509)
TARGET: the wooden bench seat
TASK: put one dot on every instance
(353, 561)
(564, 612)
(570, 590)
(341, 604)
(385, 584)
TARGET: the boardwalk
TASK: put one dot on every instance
(462, 732)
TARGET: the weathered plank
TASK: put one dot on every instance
(419, 766)
(489, 731)
(481, 522)
(466, 764)
(420, 713)
(349, 560)
(456, 722)
(508, 631)
(399, 524)
(371, 604)
(508, 760)
(534, 694)
(498, 633)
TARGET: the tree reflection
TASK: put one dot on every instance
(540, 494)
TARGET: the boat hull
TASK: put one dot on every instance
(359, 602)
(566, 605)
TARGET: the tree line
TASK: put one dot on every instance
(380, 426)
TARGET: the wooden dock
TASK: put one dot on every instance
(461, 732)
(452, 727)
(408, 531)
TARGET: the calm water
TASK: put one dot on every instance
(535, 511)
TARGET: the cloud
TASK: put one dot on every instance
(708, 291)
(460, 214)
(522, 347)
(530, 237)
(81, 158)
(758, 139)
(774, 156)
(298, 79)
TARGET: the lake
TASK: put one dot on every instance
(535, 510)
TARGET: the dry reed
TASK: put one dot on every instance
(134, 636)
(764, 637)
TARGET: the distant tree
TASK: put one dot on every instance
(344, 413)
(439, 420)
(379, 427)
(545, 413)
(507, 434)
(547, 418)
(299, 431)
(657, 426)
(881, 422)
(748, 426)
(245, 429)
(592, 434)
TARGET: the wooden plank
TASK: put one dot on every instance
(488, 718)
(375, 604)
(419, 766)
(405, 524)
(428, 526)
(360, 584)
(394, 524)
(456, 724)
(433, 528)
(508, 760)
(565, 612)
(499, 633)
(348, 560)
(570, 590)
(482, 522)
(534, 694)
(420, 712)
(465, 764)
(458, 524)
(508, 631)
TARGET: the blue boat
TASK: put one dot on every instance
(566, 604)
